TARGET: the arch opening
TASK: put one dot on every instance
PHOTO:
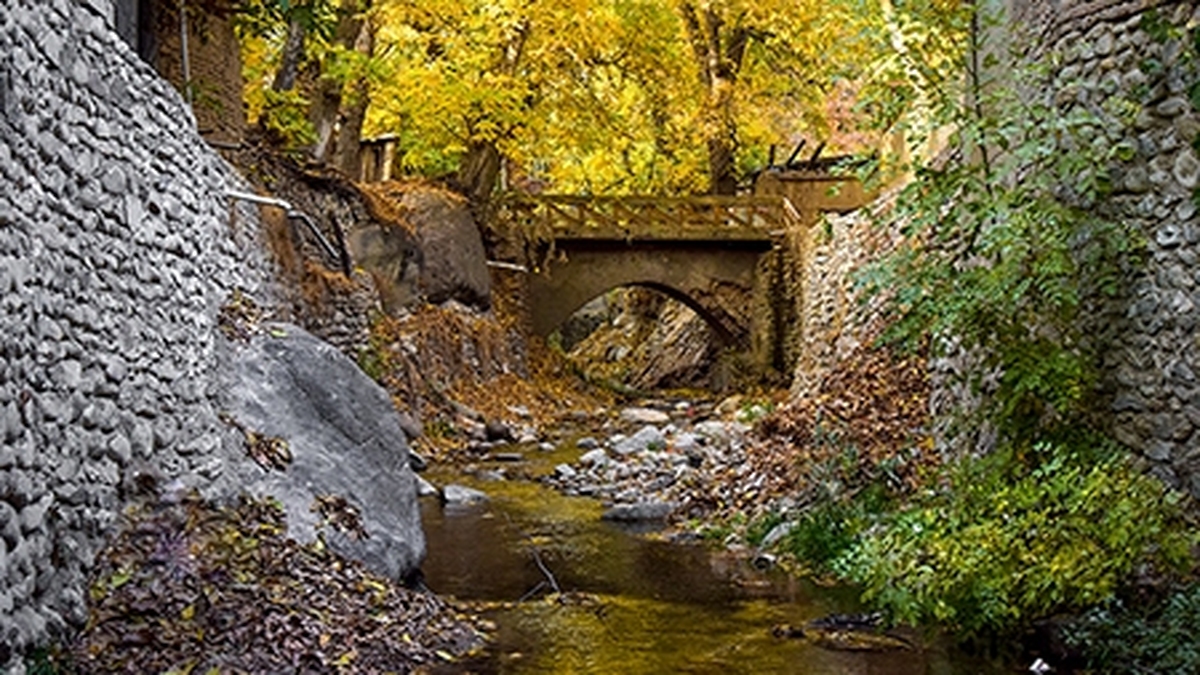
(642, 337)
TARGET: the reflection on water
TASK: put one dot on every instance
(634, 604)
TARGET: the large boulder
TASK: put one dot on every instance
(349, 474)
(454, 261)
(448, 262)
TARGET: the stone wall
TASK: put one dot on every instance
(117, 248)
(1103, 59)
(830, 323)
(1151, 351)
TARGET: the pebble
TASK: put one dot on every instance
(644, 416)
(455, 494)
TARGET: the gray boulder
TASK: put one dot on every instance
(345, 441)
(648, 437)
(454, 264)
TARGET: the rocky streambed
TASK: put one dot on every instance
(562, 541)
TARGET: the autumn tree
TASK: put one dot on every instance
(309, 65)
(606, 95)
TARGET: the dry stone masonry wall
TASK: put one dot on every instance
(1106, 60)
(117, 247)
(1110, 63)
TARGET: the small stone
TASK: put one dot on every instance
(67, 374)
(1185, 211)
(1137, 180)
(596, 457)
(33, 516)
(587, 443)
(1158, 450)
(1187, 168)
(645, 416)
(120, 450)
(565, 471)
(212, 469)
(141, 439)
(461, 495)
(1128, 402)
(1169, 235)
(1171, 107)
(686, 442)
(641, 511)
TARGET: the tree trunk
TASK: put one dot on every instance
(338, 134)
(289, 63)
(348, 155)
(479, 171)
(722, 168)
(718, 51)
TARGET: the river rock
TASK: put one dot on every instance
(344, 437)
(640, 511)
(721, 433)
(645, 416)
(597, 458)
(648, 437)
(587, 443)
(497, 430)
(685, 442)
(461, 495)
(565, 471)
(425, 488)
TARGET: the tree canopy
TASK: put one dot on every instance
(590, 96)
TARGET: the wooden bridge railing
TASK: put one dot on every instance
(750, 217)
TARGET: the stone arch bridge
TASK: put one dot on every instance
(702, 251)
(721, 256)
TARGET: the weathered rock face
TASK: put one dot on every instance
(451, 263)
(424, 246)
(652, 342)
(455, 265)
(119, 250)
(345, 439)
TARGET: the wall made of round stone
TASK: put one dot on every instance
(117, 248)
(1150, 345)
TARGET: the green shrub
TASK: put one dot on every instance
(1157, 637)
(826, 532)
(760, 528)
(1013, 539)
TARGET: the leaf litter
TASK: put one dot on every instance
(187, 586)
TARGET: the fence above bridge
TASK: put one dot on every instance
(706, 218)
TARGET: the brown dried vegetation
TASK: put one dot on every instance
(187, 587)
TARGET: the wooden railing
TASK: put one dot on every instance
(753, 217)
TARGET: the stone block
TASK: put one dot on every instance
(1186, 169)
(33, 516)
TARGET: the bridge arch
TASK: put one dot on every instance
(715, 281)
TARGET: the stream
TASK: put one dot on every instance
(632, 602)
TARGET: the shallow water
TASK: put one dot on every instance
(633, 603)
